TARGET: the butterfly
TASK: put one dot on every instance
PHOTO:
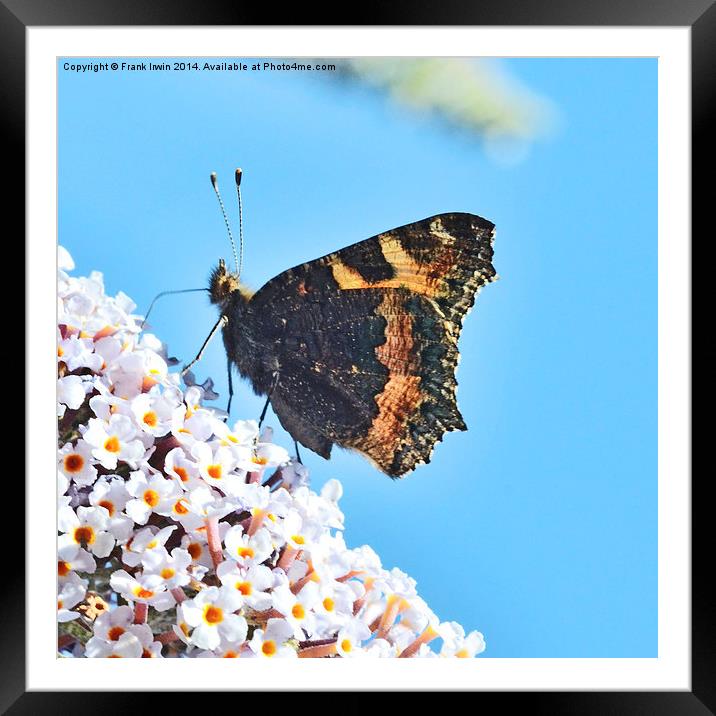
(359, 348)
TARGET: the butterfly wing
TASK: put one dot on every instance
(366, 338)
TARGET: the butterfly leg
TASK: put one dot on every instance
(298, 454)
(231, 388)
(268, 398)
(219, 324)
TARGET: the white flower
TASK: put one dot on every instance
(77, 352)
(300, 534)
(334, 606)
(112, 626)
(110, 492)
(182, 628)
(252, 584)
(127, 646)
(85, 527)
(71, 594)
(153, 414)
(211, 615)
(266, 455)
(350, 636)
(145, 539)
(172, 569)
(294, 475)
(65, 262)
(146, 589)
(153, 494)
(185, 471)
(298, 609)
(244, 432)
(114, 441)
(80, 561)
(245, 549)
(136, 372)
(216, 467)
(198, 550)
(272, 641)
(457, 644)
(75, 461)
(71, 391)
(201, 503)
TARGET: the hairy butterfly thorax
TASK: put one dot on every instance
(222, 284)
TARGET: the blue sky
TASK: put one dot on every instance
(537, 526)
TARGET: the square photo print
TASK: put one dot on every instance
(357, 357)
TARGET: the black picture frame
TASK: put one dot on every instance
(700, 15)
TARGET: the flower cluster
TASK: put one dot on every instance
(183, 535)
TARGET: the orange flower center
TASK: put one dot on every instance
(112, 444)
(194, 549)
(151, 497)
(182, 473)
(214, 471)
(150, 419)
(268, 648)
(148, 383)
(328, 604)
(109, 506)
(143, 593)
(213, 615)
(258, 460)
(167, 573)
(298, 611)
(63, 568)
(104, 332)
(74, 463)
(245, 552)
(84, 534)
(299, 539)
(180, 508)
(346, 645)
(245, 588)
(230, 655)
(114, 633)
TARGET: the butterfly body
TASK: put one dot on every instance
(359, 348)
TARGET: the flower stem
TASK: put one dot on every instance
(310, 576)
(392, 609)
(256, 519)
(275, 478)
(212, 535)
(166, 637)
(287, 558)
(318, 651)
(140, 612)
(427, 636)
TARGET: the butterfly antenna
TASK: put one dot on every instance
(167, 293)
(215, 184)
(241, 222)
